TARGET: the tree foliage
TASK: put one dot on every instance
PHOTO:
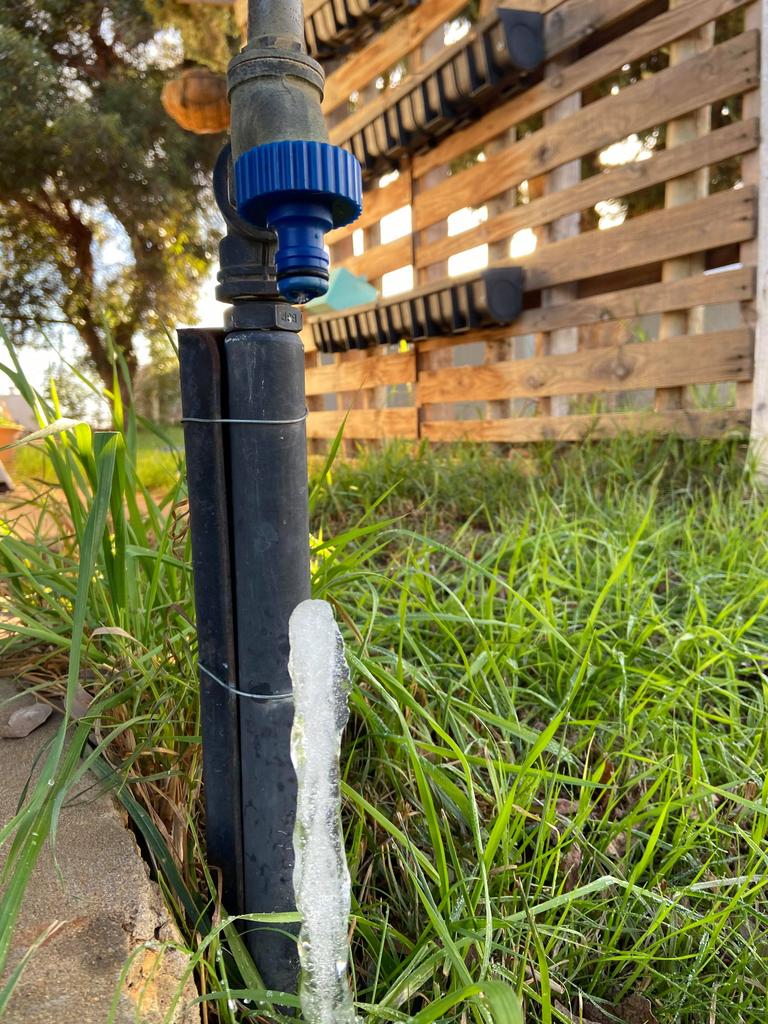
(104, 202)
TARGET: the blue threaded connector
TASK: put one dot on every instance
(301, 191)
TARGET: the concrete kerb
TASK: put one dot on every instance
(108, 911)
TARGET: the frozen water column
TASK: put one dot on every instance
(321, 878)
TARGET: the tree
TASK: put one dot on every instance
(105, 211)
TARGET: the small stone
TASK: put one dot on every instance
(25, 720)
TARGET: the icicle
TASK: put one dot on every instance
(321, 877)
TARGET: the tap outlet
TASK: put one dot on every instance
(301, 191)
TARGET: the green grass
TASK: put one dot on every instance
(555, 772)
(157, 463)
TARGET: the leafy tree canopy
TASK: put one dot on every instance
(104, 202)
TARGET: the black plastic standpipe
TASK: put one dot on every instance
(201, 357)
(270, 530)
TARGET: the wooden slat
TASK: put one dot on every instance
(312, 6)
(730, 141)
(528, 429)
(562, 30)
(628, 304)
(681, 190)
(380, 259)
(384, 258)
(537, 6)
(571, 24)
(728, 69)
(721, 219)
(308, 339)
(576, 21)
(596, 66)
(702, 359)
(377, 203)
(380, 369)
(387, 48)
(364, 424)
(755, 254)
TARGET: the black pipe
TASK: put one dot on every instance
(270, 530)
(276, 18)
(200, 356)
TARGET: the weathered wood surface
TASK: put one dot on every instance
(726, 70)
(720, 219)
(602, 289)
(627, 305)
(701, 359)
(528, 429)
(368, 373)
(364, 424)
(733, 140)
(387, 49)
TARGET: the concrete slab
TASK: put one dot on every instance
(107, 907)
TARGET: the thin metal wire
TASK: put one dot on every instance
(242, 693)
(262, 423)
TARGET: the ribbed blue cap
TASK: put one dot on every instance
(293, 170)
(299, 190)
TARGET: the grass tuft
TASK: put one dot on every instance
(555, 774)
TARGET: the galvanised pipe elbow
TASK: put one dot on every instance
(288, 177)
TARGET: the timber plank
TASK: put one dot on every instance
(527, 429)
(364, 424)
(377, 203)
(572, 23)
(738, 138)
(585, 72)
(627, 304)
(702, 290)
(726, 70)
(537, 6)
(629, 47)
(380, 369)
(700, 359)
(563, 29)
(720, 219)
(386, 49)
(733, 140)
(381, 258)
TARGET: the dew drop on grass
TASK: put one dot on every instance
(321, 878)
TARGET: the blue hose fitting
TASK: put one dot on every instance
(301, 191)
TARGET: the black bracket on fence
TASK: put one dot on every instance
(244, 416)
(446, 308)
(337, 26)
(498, 58)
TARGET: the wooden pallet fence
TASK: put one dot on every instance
(664, 303)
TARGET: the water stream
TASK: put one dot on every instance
(321, 878)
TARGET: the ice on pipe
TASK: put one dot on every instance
(321, 877)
